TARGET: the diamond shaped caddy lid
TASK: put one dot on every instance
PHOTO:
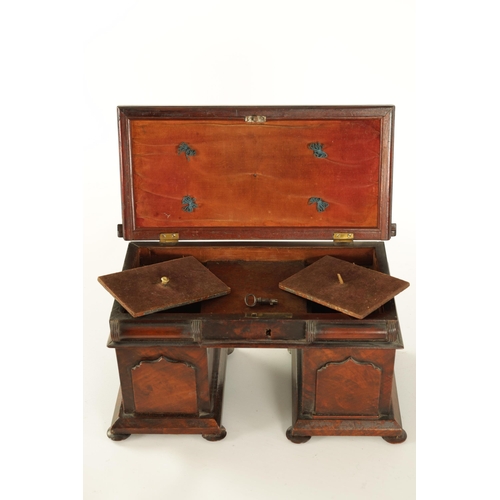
(344, 286)
(157, 287)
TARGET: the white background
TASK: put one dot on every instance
(66, 68)
(189, 53)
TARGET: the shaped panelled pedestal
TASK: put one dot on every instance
(354, 396)
(169, 391)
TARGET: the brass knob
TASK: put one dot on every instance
(164, 280)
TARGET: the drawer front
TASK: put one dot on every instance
(254, 330)
(380, 332)
(351, 332)
(152, 329)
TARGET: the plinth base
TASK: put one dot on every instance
(208, 425)
(389, 428)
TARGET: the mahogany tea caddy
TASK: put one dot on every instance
(257, 195)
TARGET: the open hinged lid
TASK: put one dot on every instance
(240, 173)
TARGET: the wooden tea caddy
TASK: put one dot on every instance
(256, 194)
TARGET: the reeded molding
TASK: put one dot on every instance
(196, 325)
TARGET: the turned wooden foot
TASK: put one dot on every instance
(396, 439)
(215, 437)
(296, 439)
(230, 350)
(116, 437)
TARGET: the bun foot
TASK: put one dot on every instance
(395, 439)
(116, 437)
(215, 437)
(296, 439)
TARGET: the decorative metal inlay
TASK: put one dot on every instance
(189, 204)
(317, 149)
(255, 119)
(320, 204)
(184, 148)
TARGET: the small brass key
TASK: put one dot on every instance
(258, 300)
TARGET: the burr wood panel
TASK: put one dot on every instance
(348, 388)
(164, 386)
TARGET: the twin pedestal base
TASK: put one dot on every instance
(335, 393)
(172, 364)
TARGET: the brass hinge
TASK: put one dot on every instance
(343, 237)
(170, 238)
(255, 119)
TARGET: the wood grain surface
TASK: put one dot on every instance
(344, 286)
(140, 290)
